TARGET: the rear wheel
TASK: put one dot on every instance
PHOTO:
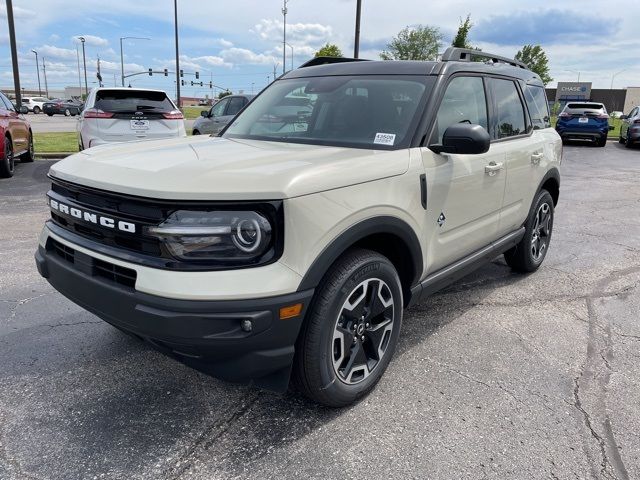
(29, 155)
(7, 164)
(351, 331)
(36, 110)
(67, 112)
(602, 141)
(628, 142)
(529, 254)
(195, 132)
(50, 114)
(620, 139)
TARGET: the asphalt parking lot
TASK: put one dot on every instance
(501, 376)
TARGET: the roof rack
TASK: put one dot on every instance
(453, 54)
(327, 60)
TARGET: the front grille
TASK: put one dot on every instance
(93, 266)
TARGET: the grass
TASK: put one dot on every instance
(191, 113)
(55, 142)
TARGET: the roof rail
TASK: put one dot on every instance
(327, 60)
(454, 54)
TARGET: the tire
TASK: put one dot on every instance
(602, 142)
(527, 256)
(36, 110)
(359, 298)
(50, 114)
(7, 163)
(195, 132)
(628, 142)
(29, 155)
(67, 112)
(620, 139)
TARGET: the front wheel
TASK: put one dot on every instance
(351, 331)
(7, 163)
(29, 155)
(36, 110)
(195, 132)
(528, 255)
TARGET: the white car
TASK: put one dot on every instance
(128, 114)
(34, 104)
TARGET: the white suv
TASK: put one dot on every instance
(292, 243)
(128, 114)
(34, 104)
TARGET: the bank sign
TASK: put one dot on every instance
(573, 91)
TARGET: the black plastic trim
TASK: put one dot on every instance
(423, 190)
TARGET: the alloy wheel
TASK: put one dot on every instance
(8, 155)
(541, 232)
(362, 331)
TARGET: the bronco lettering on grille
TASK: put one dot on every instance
(92, 217)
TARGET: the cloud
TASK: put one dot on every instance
(245, 56)
(18, 13)
(314, 34)
(50, 51)
(542, 27)
(92, 40)
(54, 37)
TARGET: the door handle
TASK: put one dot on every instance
(493, 168)
(536, 157)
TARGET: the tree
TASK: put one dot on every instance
(223, 94)
(414, 43)
(329, 50)
(536, 59)
(461, 39)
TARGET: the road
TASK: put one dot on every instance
(501, 376)
(42, 123)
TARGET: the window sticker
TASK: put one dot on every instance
(385, 138)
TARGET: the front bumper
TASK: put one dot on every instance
(204, 334)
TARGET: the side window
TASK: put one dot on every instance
(464, 101)
(218, 109)
(538, 106)
(235, 105)
(510, 120)
(634, 112)
(7, 103)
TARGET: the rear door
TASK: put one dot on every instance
(131, 114)
(216, 121)
(16, 125)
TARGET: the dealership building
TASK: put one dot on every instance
(621, 100)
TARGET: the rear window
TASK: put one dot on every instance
(131, 101)
(585, 106)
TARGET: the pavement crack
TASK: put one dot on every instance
(21, 302)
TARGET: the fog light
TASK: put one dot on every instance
(246, 325)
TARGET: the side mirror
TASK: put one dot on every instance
(24, 109)
(623, 117)
(463, 139)
(204, 113)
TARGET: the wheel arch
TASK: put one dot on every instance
(389, 236)
(551, 183)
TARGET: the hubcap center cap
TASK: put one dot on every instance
(360, 329)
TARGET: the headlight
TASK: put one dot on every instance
(224, 236)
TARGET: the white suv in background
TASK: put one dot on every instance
(127, 114)
(34, 104)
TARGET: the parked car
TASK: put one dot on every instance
(212, 121)
(16, 139)
(630, 128)
(62, 107)
(34, 104)
(128, 114)
(293, 249)
(584, 121)
(616, 114)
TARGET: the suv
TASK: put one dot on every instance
(630, 128)
(212, 121)
(16, 138)
(34, 104)
(292, 243)
(584, 121)
(126, 114)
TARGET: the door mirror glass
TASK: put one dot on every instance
(204, 113)
(463, 139)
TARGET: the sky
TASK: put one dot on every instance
(237, 45)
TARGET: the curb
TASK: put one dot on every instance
(53, 156)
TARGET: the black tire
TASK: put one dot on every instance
(7, 164)
(50, 114)
(195, 132)
(67, 112)
(368, 280)
(527, 257)
(602, 142)
(29, 155)
(36, 110)
(620, 139)
(628, 142)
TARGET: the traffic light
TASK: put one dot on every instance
(181, 73)
(210, 84)
(197, 75)
(192, 83)
(150, 72)
(182, 82)
(166, 72)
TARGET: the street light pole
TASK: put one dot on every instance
(38, 71)
(356, 44)
(615, 75)
(291, 47)
(14, 54)
(175, 11)
(44, 71)
(284, 36)
(122, 55)
(79, 77)
(84, 63)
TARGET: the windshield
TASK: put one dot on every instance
(357, 111)
(131, 101)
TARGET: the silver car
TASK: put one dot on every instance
(217, 117)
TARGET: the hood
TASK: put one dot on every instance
(214, 168)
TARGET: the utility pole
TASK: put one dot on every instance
(38, 71)
(98, 74)
(122, 55)
(44, 70)
(84, 63)
(14, 55)
(79, 77)
(356, 43)
(175, 11)
(284, 37)
(275, 66)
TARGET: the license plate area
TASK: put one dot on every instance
(139, 124)
(583, 120)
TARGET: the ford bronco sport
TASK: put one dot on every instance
(288, 246)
